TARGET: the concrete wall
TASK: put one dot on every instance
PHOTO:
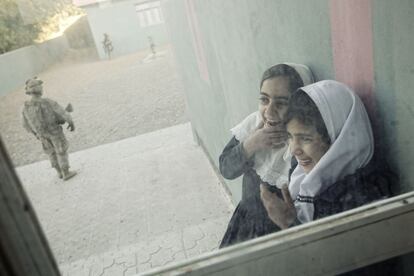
(394, 81)
(241, 38)
(120, 21)
(19, 65)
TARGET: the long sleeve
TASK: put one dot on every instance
(233, 162)
(366, 185)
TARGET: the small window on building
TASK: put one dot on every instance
(149, 14)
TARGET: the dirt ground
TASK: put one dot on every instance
(112, 100)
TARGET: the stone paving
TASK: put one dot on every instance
(136, 204)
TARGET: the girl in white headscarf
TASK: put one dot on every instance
(257, 151)
(330, 137)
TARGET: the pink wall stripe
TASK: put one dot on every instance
(351, 34)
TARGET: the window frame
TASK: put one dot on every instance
(24, 249)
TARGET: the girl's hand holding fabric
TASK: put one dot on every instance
(265, 137)
(281, 211)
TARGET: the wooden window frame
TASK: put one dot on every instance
(24, 249)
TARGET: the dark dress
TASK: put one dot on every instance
(366, 185)
(250, 219)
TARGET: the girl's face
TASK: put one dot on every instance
(274, 99)
(306, 144)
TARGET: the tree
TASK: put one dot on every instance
(13, 32)
(21, 21)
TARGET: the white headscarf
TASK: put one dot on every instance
(352, 144)
(272, 165)
(303, 71)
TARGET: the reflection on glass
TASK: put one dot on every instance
(143, 195)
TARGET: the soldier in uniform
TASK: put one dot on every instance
(43, 118)
(107, 45)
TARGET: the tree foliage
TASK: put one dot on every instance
(21, 21)
(13, 32)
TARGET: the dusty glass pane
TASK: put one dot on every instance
(149, 132)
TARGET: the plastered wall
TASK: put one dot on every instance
(364, 43)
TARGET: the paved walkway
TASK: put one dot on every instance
(135, 204)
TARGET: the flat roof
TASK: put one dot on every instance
(81, 3)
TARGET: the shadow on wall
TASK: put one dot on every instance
(79, 35)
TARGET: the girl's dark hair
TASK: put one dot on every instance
(283, 70)
(303, 108)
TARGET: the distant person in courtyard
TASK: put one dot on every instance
(44, 118)
(257, 151)
(107, 45)
(152, 45)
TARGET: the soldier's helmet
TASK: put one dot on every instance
(32, 84)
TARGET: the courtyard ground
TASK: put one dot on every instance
(136, 204)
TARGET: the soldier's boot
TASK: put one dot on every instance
(60, 175)
(67, 174)
(64, 165)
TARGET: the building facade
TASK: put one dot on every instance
(128, 23)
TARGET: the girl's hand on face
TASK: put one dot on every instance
(281, 211)
(265, 137)
(269, 136)
(277, 137)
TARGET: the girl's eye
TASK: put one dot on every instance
(281, 104)
(306, 139)
(264, 100)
